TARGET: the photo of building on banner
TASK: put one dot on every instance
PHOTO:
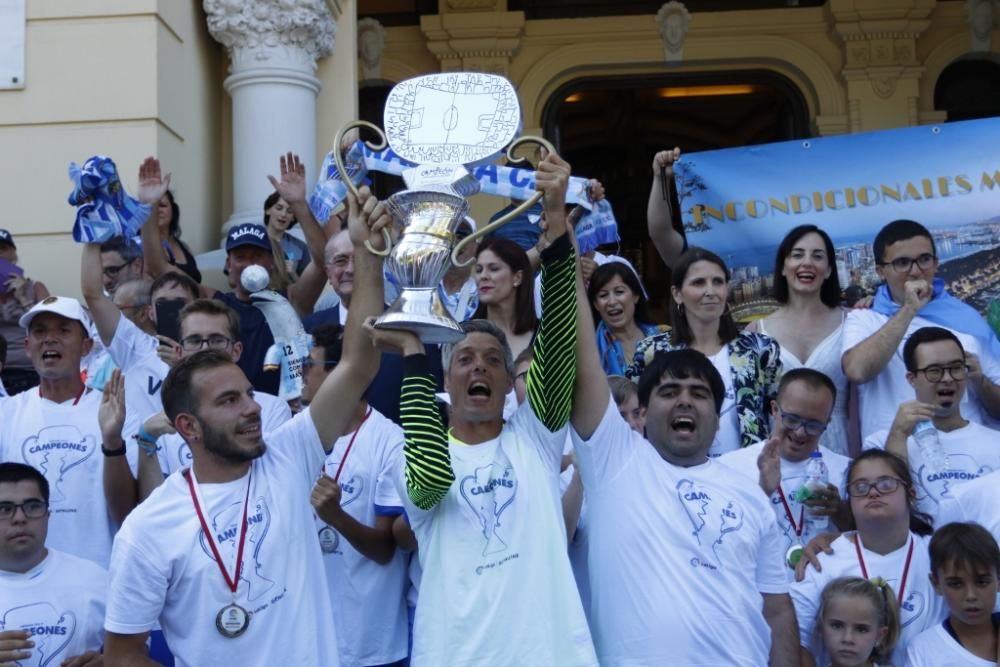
(741, 202)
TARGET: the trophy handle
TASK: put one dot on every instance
(503, 220)
(338, 159)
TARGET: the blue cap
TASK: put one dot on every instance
(5, 237)
(248, 234)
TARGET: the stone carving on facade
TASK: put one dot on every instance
(286, 32)
(981, 15)
(371, 44)
(884, 86)
(673, 20)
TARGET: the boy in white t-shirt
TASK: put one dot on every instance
(800, 415)
(356, 503)
(938, 371)
(224, 556)
(965, 571)
(51, 603)
(910, 298)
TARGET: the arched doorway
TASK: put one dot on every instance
(969, 88)
(610, 128)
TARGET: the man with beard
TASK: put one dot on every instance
(224, 554)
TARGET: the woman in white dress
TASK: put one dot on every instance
(809, 323)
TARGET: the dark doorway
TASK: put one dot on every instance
(610, 129)
(968, 89)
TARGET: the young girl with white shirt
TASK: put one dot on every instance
(859, 622)
(890, 542)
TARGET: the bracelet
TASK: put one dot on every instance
(146, 444)
(113, 452)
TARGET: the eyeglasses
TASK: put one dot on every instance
(214, 342)
(935, 373)
(793, 422)
(113, 271)
(33, 509)
(884, 485)
(904, 264)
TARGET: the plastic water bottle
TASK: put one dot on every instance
(817, 476)
(929, 444)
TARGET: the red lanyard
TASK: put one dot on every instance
(788, 512)
(350, 444)
(906, 565)
(232, 583)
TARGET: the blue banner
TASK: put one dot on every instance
(741, 202)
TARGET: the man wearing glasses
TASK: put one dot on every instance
(938, 371)
(911, 298)
(51, 603)
(799, 417)
(206, 324)
(121, 262)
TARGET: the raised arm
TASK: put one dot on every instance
(659, 211)
(551, 374)
(340, 392)
(120, 488)
(867, 359)
(102, 309)
(152, 187)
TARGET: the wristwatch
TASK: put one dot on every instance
(113, 452)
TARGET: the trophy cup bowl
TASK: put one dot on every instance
(419, 261)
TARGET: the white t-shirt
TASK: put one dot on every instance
(175, 454)
(679, 557)
(497, 588)
(922, 607)
(134, 352)
(61, 601)
(880, 397)
(935, 647)
(369, 599)
(728, 437)
(973, 451)
(162, 568)
(976, 501)
(63, 441)
(793, 476)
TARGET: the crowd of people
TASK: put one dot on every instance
(570, 484)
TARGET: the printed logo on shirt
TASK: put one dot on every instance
(51, 630)
(714, 520)
(56, 451)
(912, 607)
(226, 526)
(489, 491)
(936, 485)
(184, 456)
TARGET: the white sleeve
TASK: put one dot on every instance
(876, 440)
(386, 494)
(297, 443)
(772, 572)
(605, 454)
(137, 589)
(277, 414)
(129, 344)
(916, 652)
(857, 328)
(805, 596)
(951, 511)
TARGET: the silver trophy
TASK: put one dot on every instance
(443, 123)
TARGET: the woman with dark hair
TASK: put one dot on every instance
(890, 545)
(749, 363)
(278, 218)
(168, 221)
(618, 304)
(809, 323)
(506, 293)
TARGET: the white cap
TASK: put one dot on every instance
(65, 306)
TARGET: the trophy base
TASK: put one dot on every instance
(420, 311)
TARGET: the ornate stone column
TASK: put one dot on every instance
(273, 47)
(473, 35)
